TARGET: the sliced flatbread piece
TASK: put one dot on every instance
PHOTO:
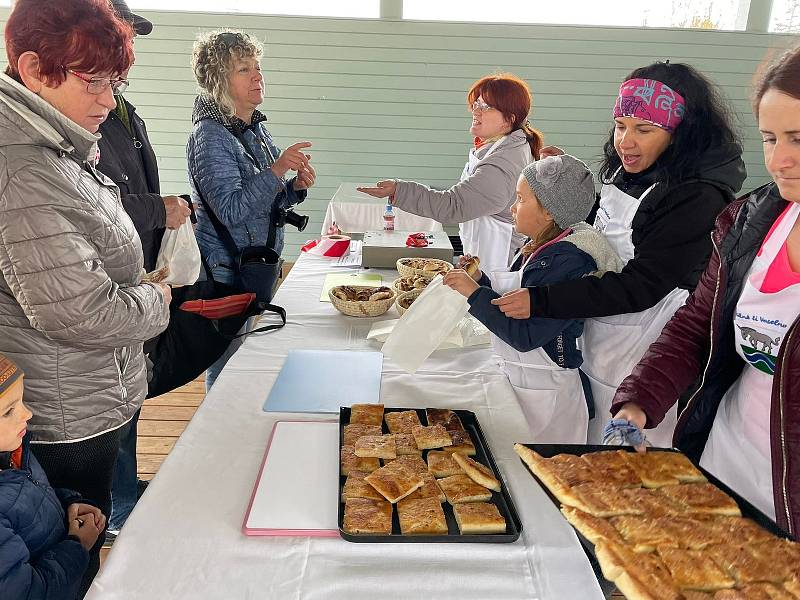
(479, 517)
(613, 468)
(677, 465)
(356, 487)
(444, 417)
(401, 421)
(367, 414)
(412, 462)
(462, 443)
(421, 516)
(693, 531)
(594, 529)
(430, 489)
(353, 431)
(550, 473)
(702, 498)
(377, 446)
(649, 470)
(644, 534)
(743, 565)
(394, 482)
(350, 462)
(441, 464)
(600, 500)
(460, 488)
(638, 576)
(406, 445)
(434, 436)
(694, 570)
(793, 586)
(739, 529)
(480, 474)
(654, 504)
(365, 516)
(782, 555)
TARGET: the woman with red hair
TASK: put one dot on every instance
(74, 311)
(504, 143)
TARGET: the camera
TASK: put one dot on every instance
(292, 218)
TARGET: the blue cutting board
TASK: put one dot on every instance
(320, 381)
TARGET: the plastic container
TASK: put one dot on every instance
(388, 218)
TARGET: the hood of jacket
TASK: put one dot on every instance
(205, 108)
(587, 238)
(721, 166)
(38, 123)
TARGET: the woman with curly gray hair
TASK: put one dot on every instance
(238, 175)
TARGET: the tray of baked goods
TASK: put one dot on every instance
(420, 475)
(663, 529)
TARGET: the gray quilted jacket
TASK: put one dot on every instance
(73, 310)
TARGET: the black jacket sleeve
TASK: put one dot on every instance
(526, 334)
(676, 240)
(147, 211)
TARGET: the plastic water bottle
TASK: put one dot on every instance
(388, 218)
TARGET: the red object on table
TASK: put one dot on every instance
(417, 240)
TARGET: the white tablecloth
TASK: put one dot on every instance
(356, 212)
(184, 538)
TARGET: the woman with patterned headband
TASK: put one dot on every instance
(672, 162)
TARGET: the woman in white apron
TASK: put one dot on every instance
(740, 330)
(671, 165)
(481, 201)
(540, 356)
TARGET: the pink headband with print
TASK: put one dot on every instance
(651, 101)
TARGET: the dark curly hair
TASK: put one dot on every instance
(706, 124)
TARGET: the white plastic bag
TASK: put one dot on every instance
(425, 325)
(468, 332)
(178, 261)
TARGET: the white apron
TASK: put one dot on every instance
(550, 396)
(613, 345)
(738, 449)
(486, 237)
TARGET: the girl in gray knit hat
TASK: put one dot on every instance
(541, 357)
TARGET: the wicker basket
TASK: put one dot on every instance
(412, 294)
(406, 270)
(366, 308)
(399, 291)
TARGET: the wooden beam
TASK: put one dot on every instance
(167, 413)
(155, 444)
(161, 428)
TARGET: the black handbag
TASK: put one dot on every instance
(192, 342)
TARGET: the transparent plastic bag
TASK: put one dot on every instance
(178, 261)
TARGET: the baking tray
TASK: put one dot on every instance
(550, 450)
(483, 455)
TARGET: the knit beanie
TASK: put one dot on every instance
(564, 187)
(9, 373)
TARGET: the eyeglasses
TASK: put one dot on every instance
(97, 85)
(480, 106)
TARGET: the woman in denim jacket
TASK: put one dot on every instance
(233, 163)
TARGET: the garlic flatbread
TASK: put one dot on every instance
(376, 446)
(434, 436)
(367, 414)
(402, 421)
(479, 517)
(394, 482)
(421, 516)
(460, 488)
(365, 516)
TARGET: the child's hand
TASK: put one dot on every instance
(85, 530)
(79, 510)
(461, 282)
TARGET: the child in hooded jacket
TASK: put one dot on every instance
(45, 533)
(541, 355)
